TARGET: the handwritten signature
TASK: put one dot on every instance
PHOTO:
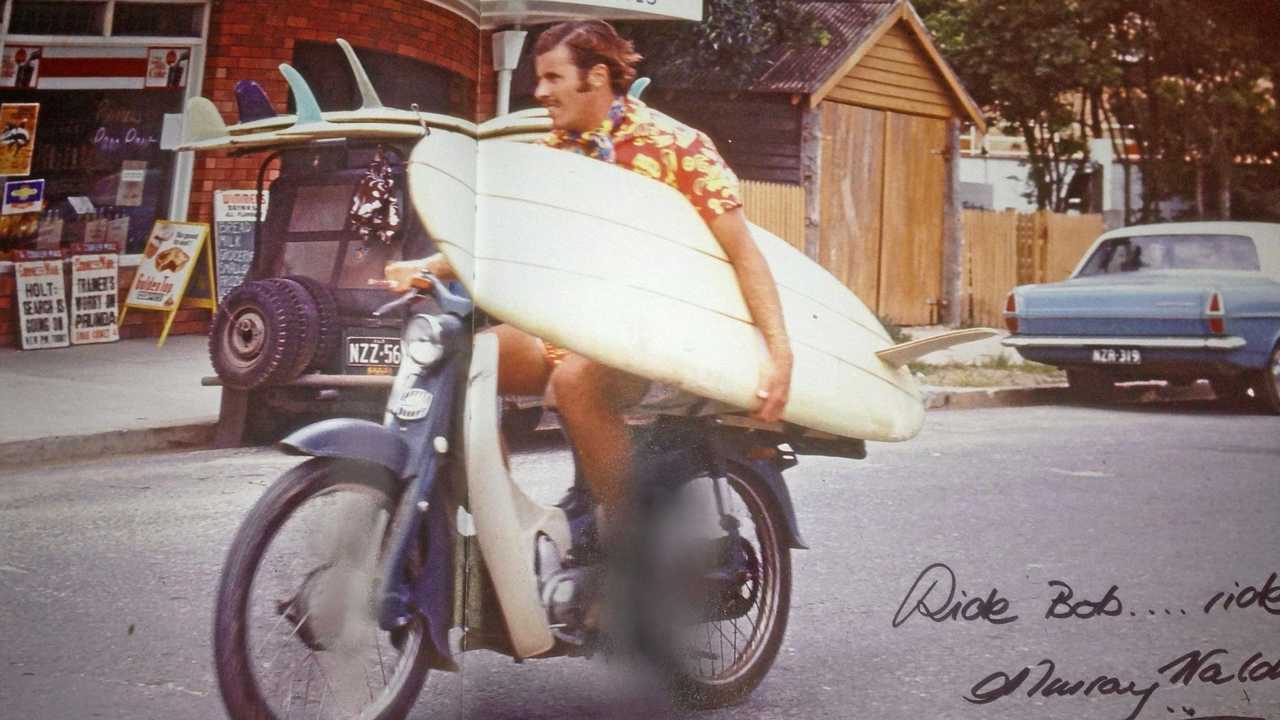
(933, 595)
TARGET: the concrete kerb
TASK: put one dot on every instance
(97, 445)
(938, 398)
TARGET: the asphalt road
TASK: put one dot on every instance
(1142, 516)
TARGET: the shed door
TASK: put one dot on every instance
(911, 227)
(883, 192)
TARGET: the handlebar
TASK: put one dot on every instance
(449, 302)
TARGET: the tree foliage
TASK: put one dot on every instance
(1191, 84)
(732, 44)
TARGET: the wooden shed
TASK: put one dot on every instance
(849, 150)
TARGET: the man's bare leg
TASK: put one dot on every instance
(591, 399)
(522, 362)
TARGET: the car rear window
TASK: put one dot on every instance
(1172, 252)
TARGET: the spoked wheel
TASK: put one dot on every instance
(726, 613)
(295, 627)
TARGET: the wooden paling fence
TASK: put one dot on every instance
(776, 207)
(1006, 249)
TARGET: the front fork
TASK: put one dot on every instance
(428, 591)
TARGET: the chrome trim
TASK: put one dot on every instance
(1179, 343)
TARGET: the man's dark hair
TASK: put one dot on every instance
(591, 43)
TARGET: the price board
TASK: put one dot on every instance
(233, 221)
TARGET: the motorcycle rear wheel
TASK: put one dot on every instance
(295, 631)
(716, 658)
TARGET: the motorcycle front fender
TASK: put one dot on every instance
(350, 439)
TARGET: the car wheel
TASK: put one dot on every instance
(1090, 385)
(1266, 383)
(255, 336)
(330, 331)
(307, 318)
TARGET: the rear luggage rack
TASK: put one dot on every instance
(803, 441)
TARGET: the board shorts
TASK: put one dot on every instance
(659, 397)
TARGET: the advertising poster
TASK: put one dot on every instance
(94, 306)
(233, 236)
(42, 304)
(133, 179)
(167, 262)
(20, 66)
(167, 67)
(23, 196)
(17, 137)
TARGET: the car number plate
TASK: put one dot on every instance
(1117, 356)
(373, 355)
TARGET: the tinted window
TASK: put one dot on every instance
(1172, 252)
(157, 20)
(400, 81)
(57, 18)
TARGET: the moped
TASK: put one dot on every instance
(396, 546)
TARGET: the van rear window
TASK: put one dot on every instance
(320, 208)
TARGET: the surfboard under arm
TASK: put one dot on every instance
(903, 353)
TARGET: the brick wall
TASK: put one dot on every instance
(137, 323)
(248, 39)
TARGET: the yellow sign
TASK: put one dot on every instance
(169, 261)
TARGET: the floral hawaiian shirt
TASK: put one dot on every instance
(650, 143)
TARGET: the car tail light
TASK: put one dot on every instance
(1214, 313)
(1010, 318)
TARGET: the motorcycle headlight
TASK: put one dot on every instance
(423, 340)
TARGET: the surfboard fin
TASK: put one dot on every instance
(638, 87)
(252, 102)
(903, 353)
(309, 118)
(202, 123)
(368, 96)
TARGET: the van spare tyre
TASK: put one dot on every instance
(256, 336)
(330, 331)
(308, 319)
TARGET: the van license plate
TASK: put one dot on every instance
(373, 353)
(1117, 356)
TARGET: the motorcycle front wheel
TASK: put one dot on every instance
(295, 629)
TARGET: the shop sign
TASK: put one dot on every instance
(42, 304)
(233, 220)
(17, 137)
(169, 260)
(20, 66)
(23, 196)
(94, 281)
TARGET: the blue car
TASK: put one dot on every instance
(1175, 301)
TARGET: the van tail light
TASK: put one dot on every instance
(1214, 313)
(1010, 318)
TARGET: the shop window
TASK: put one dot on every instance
(400, 81)
(135, 19)
(57, 18)
(103, 145)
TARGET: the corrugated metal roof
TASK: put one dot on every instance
(799, 69)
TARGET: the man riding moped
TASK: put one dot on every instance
(583, 71)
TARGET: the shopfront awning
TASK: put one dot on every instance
(488, 14)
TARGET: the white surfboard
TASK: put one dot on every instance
(621, 269)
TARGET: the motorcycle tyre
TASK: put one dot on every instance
(697, 694)
(236, 683)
